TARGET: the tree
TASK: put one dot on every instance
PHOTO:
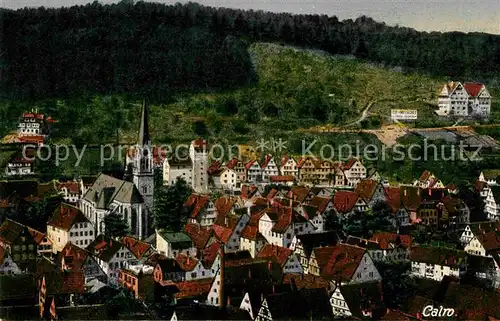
(398, 285)
(168, 210)
(380, 218)
(115, 226)
(332, 221)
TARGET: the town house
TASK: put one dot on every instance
(372, 192)
(435, 263)
(239, 168)
(288, 167)
(468, 99)
(269, 168)
(285, 257)
(202, 209)
(490, 176)
(354, 172)
(172, 243)
(68, 224)
(253, 172)
(492, 202)
(303, 245)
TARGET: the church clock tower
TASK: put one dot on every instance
(143, 175)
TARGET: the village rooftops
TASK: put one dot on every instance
(104, 248)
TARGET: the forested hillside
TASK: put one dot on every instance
(154, 49)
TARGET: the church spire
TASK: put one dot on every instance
(144, 138)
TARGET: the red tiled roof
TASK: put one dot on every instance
(210, 253)
(411, 197)
(284, 160)
(473, 88)
(200, 144)
(266, 161)
(222, 233)
(281, 178)
(425, 176)
(349, 163)
(366, 188)
(300, 193)
(138, 248)
(73, 257)
(284, 220)
(344, 201)
(198, 202)
(393, 198)
(320, 203)
(250, 163)
(199, 235)
(305, 281)
(194, 288)
(439, 256)
(186, 262)
(387, 240)
(278, 253)
(224, 204)
(37, 235)
(65, 216)
(232, 163)
(214, 168)
(343, 262)
(248, 191)
(33, 139)
(322, 255)
(301, 162)
(251, 233)
(72, 187)
(490, 240)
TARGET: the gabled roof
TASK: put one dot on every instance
(317, 240)
(72, 257)
(222, 233)
(214, 168)
(299, 193)
(343, 262)
(361, 297)
(72, 186)
(308, 281)
(277, 253)
(104, 248)
(489, 240)
(344, 201)
(186, 262)
(473, 88)
(193, 289)
(366, 188)
(361, 242)
(65, 216)
(347, 165)
(200, 144)
(266, 161)
(393, 198)
(285, 159)
(439, 256)
(106, 189)
(138, 248)
(199, 235)
(387, 240)
(232, 163)
(250, 164)
(320, 203)
(224, 204)
(209, 254)
(411, 197)
(197, 202)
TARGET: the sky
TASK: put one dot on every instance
(424, 15)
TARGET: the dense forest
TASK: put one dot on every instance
(153, 49)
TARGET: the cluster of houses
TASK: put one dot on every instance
(258, 252)
(33, 130)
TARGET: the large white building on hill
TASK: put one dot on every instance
(468, 99)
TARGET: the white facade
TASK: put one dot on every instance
(492, 207)
(198, 152)
(182, 170)
(475, 247)
(355, 173)
(270, 169)
(227, 179)
(293, 265)
(121, 259)
(252, 246)
(489, 181)
(339, 305)
(456, 99)
(289, 168)
(165, 248)
(366, 271)
(31, 124)
(80, 234)
(19, 168)
(433, 271)
(9, 267)
(254, 173)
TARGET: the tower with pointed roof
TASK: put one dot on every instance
(142, 172)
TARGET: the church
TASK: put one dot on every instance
(131, 199)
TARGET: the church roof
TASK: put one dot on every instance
(144, 137)
(107, 189)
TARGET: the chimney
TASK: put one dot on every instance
(221, 276)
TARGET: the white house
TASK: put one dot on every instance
(356, 300)
(435, 263)
(177, 168)
(70, 191)
(468, 99)
(225, 179)
(7, 265)
(473, 229)
(354, 172)
(202, 210)
(492, 201)
(32, 124)
(491, 176)
(171, 244)
(68, 224)
(268, 168)
(254, 172)
(251, 240)
(288, 167)
(19, 166)
(428, 180)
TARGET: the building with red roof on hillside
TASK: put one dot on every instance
(467, 99)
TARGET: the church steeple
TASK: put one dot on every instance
(144, 137)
